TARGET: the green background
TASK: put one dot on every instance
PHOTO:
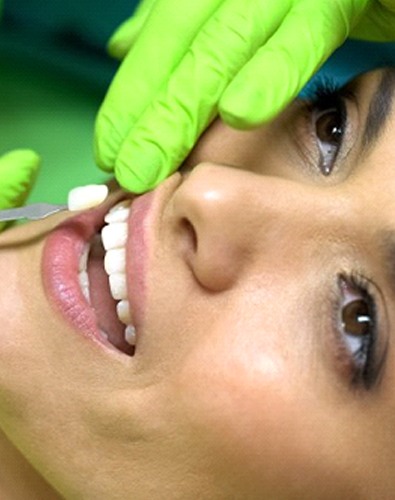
(54, 73)
(54, 115)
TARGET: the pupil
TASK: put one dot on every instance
(356, 319)
(329, 129)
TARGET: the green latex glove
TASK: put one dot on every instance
(126, 34)
(18, 170)
(245, 60)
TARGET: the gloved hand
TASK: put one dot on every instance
(245, 60)
(126, 34)
(18, 170)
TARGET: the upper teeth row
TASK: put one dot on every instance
(114, 236)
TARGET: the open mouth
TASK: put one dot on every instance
(94, 268)
(102, 278)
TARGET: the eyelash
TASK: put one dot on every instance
(325, 89)
(362, 366)
(328, 96)
(357, 348)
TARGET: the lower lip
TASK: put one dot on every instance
(60, 270)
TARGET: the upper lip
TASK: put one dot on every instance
(145, 217)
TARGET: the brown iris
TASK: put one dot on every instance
(356, 318)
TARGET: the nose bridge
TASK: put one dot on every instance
(237, 216)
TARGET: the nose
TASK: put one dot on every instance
(234, 218)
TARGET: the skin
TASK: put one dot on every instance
(238, 388)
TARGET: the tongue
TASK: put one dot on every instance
(102, 300)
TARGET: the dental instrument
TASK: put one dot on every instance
(79, 198)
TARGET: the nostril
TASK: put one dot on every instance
(190, 234)
(205, 260)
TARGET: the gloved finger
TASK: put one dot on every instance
(377, 25)
(18, 171)
(283, 65)
(126, 34)
(169, 128)
(158, 50)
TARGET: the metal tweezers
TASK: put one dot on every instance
(32, 212)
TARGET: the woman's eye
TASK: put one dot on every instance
(358, 328)
(329, 127)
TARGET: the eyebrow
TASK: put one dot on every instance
(380, 108)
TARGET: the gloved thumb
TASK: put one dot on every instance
(18, 171)
(126, 34)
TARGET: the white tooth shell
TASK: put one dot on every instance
(123, 311)
(119, 212)
(130, 335)
(115, 261)
(118, 286)
(114, 235)
(84, 197)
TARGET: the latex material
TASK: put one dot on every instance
(191, 60)
(18, 170)
(126, 34)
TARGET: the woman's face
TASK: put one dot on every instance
(262, 288)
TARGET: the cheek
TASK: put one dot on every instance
(241, 404)
(257, 418)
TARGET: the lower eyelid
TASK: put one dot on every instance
(305, 142)
(344, 363)
(350, 137)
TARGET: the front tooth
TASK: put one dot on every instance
(84, 284)
(84, 258)
(123, 311)
(130, 335)
(103, 334)
(114, 235)
(118, 286)
(118, 213)
(115, 261)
